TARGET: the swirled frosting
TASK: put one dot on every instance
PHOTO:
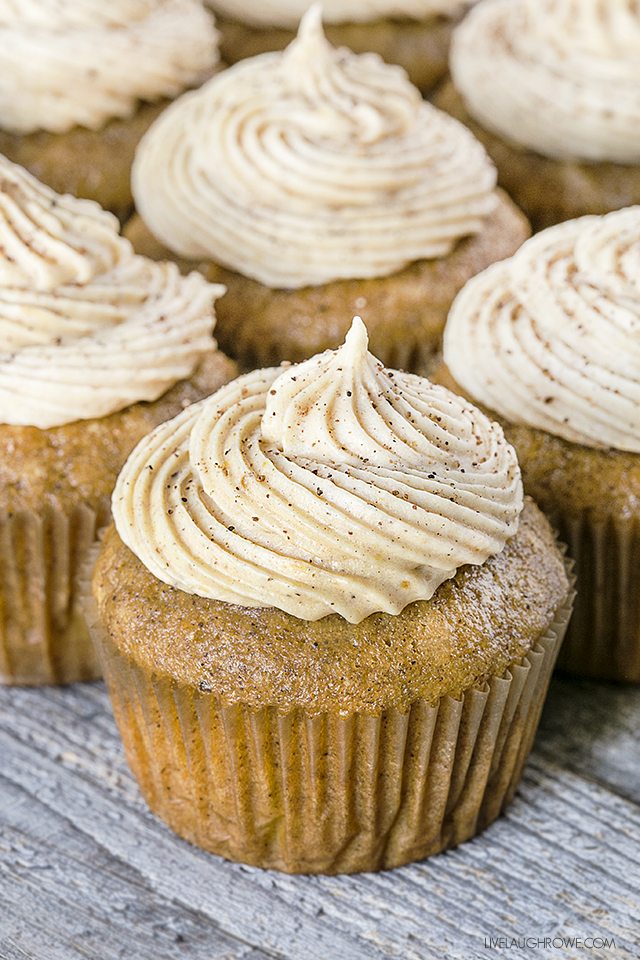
(551, 337)
(311, 165)
(86, 326)
(561, 77)
(84, 62)
(287, 13)
(333, 486)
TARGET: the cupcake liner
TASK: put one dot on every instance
(43, 633)
(327, 792)
(603, 639)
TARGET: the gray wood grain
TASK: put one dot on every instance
(87, 872)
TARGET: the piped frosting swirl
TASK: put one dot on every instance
(311, 165)
(561, 77)
(82, 63)
(287, 13)
(333, 486)
(86, 326)
(551, 337)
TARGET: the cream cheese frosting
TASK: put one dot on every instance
(86, 326)
(82, 63)
(287, 13)
(332, 486)
(311, 165)
(551, 337)
(561, 77)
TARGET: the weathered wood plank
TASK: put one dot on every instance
(564, 860)
(50, 871)
(593, 729)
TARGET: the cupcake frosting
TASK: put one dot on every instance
(84, 62)
(561, 77)
(287, 13)
(551, 337)
(311, 165)
(86, 326)
(333, 486)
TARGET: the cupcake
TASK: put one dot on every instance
(98, 347)
(317, 184)
(412, 33)
(326, 620)
(549, 342)
(552, 89)
(103, 73)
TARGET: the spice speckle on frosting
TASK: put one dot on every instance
(330, 158)
(561, 77)
(83, 63)
(87, 328)
(327, 503)
(551, 337)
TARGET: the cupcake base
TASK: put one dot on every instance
(325, 746)
(324, 793)
(405, 313)
(95, 164)
(549, 191)
(421, 47)
(603, 640)
(43, 632)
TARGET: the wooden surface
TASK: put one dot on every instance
(87, 872)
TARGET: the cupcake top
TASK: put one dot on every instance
(310, 165)
(332, 486)
(561, 77)
(551, 337)
(85, 62)
(86, 326)
(287, 13)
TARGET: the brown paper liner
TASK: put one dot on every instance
(603, 639)
(327, 793)
(43, 632)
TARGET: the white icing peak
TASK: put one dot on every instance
(86, 326)
(331, 159)
(333, 486)
(551, 337)
(66, 63)
(287, 13)
(561, 77)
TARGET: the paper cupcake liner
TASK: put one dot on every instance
(43, 632)
(603, 639)
(328, 792)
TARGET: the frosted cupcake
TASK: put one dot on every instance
(317, 184)
(80, 83)
(549, 341)
(326, 620)
(412, 33)
(552, 89)
(98, 347)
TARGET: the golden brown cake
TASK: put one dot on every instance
(547, 343)
(550, 88)
(99, 346)
(381, 206)
(102, 77)
(329, 650)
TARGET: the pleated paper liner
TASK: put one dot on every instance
(603, 639)
(328, 793)
(43, 632)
